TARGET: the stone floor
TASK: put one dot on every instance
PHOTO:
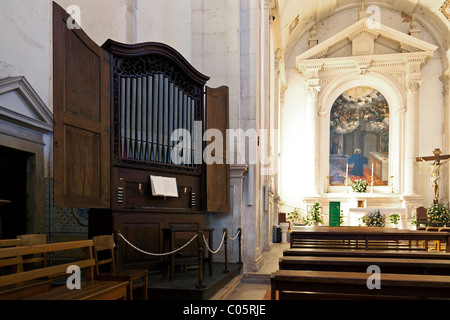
(254, 285)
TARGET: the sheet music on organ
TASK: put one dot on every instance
(164, 186)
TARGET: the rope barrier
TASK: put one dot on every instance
(206, 243)
(182, 247)
(157, 254)
(234, 238)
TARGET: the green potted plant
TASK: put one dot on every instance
(359, 185)
(362, 221)
(395, 219)
(437, 214)
(314, 217)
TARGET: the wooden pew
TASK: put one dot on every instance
(370, 253)
(4, 243)
(37, 283)
(366, 235)
(304, 284)
(353, 244)
(360, 264)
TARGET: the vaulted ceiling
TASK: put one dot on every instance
(292, 18)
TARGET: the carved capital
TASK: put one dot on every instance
(313, 91)
(445, 79)
(413, 86)
(446, 85)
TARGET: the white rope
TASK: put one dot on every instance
(234, 238)
(206, 243)
(157, 254)
(171, 252)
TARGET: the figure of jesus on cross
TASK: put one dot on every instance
(435, 167)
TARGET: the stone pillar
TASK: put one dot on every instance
(411, 137)
(312, 108)
(237, 172)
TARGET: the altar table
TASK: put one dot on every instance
(366, 234)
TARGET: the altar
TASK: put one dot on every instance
(355, 205)
(354, 215)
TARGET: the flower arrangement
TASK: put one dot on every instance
(437, 213)
(375, 219)
(359, 185)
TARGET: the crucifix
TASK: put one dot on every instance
(435, 164)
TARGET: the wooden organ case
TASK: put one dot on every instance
(117, 109)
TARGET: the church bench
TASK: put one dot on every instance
(296, 284)
(4, 243)
(353, 244)
(360, 264)
(335, 252)
(366, 234)
(38, 282)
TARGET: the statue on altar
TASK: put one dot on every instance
(435, 177)
(435, 163)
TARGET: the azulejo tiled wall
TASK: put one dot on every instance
(64, 224)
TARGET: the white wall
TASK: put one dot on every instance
(167, 21)
(25, 49)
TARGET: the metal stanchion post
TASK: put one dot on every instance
(116, 248)
(240, 245)
(200, 240)
(225, 231)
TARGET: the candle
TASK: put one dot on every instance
(372, 169)
(346, 170)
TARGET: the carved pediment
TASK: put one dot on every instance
(20, 104)
(365, 46)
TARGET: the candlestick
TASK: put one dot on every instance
(392, 184)
(371, 181)
(346, 178)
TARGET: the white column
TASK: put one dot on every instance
(322, 179)
(411, 138)
(312, 108)
(445, 78)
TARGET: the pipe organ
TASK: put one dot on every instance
(152, 108)
(124, 113)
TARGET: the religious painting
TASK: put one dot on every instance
(359, 137)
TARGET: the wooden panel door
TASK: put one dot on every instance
(335, 213)
(81, 109)
(217, 174)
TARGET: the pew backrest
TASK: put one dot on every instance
(12, 255)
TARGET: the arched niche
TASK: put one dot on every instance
(391, 90)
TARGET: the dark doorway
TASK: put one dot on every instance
(13, 187)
